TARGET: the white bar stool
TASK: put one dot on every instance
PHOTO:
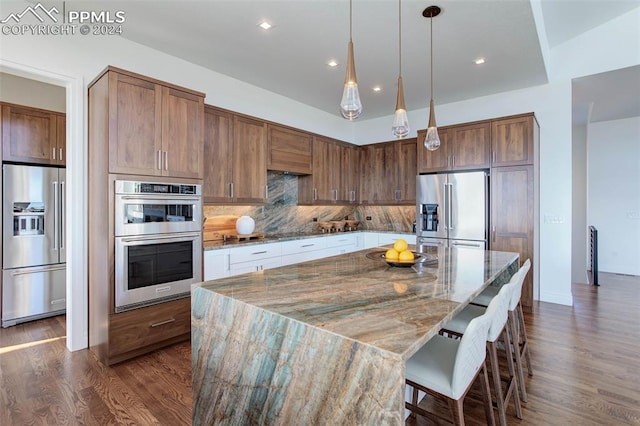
(516, 321)
(446, 368)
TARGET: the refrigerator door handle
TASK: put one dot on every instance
(56, 216)
(450, 206)
(62, 214)
(446, 206)
(457, 243)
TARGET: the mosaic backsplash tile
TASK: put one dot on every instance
(281, 214)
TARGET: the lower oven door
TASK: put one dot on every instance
(154, 268)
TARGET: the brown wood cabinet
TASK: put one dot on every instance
(512, 140)
(33, 135)
(155, 129)
(288, 150)
(388, 173)
(131, 116)
(462, 147)
(235, 152)
(512, 217)
(333, 179)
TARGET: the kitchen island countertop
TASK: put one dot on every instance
(326, 340)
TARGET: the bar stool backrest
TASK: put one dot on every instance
(471, 352)
(517, 293)
(499, 317)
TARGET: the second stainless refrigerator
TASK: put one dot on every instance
(453, 209)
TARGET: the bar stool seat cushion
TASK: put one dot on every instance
(432, 366)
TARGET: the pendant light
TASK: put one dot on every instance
(400, 126)
(350, 105)
(432, 140)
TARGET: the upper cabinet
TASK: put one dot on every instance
(388, 173)
(32, 135)
(154, 129)
(333, 179)
(235, 158)
(462, 147)
(512, 140)
(288, 150)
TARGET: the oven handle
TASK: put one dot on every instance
(178, 199)
(171, 236)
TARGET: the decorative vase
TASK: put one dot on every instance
(245, 225)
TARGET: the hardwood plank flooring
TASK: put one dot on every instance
(586, 361)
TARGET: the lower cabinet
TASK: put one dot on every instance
(255, 257)
(216, 264)
(140, 330)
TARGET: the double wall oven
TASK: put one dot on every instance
(158, 242)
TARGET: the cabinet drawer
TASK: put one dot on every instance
(340, 240)
(302, 246)
(255, 266)
(142, 327)
(254, 252)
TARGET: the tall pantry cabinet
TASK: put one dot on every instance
(512, 190)
(139, 129)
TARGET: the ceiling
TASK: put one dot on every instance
(291, 58)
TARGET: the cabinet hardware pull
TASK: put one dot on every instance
(60, 156)
(169, 321)
(159, 160)
(166, 160)
(493, 230)
(493, 155)
(266, 192)
(308, 245)
(231, 190)
(56, 301)
(453, 161)
(315, 194)
(53, 153)
(259, 252)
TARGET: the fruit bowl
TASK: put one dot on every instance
(417, 258)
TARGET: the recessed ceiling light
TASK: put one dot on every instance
(479, 61)
(264, 25)
(377, 88)
(332, 63)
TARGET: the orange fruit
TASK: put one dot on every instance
(391, 254)
(405, 255)
(400, 245)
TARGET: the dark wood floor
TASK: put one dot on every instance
(586, 361)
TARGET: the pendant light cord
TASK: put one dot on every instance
(350, 19)
(431, 25)
(400, 36)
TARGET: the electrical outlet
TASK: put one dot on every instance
(315, 219)
(368, 217)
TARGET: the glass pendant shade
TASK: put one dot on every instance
(400, 126)
(432, 141)
(350, 105)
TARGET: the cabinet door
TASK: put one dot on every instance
(512, 217)
(433, 161)
(469, 146)
(249, 161)
(407, 170)
(288, 150)
(61, 139)
(378, 174)
(135, 130)
(324, 162)
(28, 135)
(512, 141)
(344, 176)
(218, 156)
(182, 142)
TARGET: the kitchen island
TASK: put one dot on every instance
(325, 342)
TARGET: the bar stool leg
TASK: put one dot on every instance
(525, 342)
(515, 347)
(512, 387)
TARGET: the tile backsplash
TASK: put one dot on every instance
(281, 214)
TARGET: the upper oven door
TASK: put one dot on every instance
(157, 214)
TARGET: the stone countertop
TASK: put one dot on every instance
(216, 245)
(393, 309)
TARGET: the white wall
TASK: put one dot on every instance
(22, 91)
(613, 151)
(579, 232)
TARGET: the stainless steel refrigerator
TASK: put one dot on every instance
(33, 243)
(453, 209)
